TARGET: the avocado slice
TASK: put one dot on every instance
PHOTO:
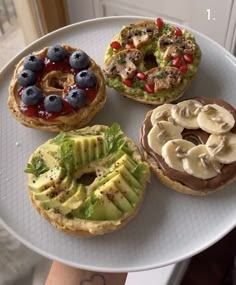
(126, 189)
(76, 199)
(49, 193)
(102, 209)
(58, 201)
(116, 197)
(47, 179)
(48, 152)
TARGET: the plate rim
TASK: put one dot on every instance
(134, 268)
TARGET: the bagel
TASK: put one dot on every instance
(44, 92)
(191, 145)
(60, 184)
(152, 62)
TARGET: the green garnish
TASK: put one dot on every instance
(139, 84)
(140, 170)
(121, 59)
(114, 138)
(37, 166)
(66, 155)
(60, 138)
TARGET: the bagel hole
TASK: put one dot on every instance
(150, 61)
(193, 139)
(87, 178)
(57, 83)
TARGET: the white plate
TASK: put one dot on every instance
(170, 226)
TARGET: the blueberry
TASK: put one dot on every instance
(86, 78)
(31, 95)
(33, 62)
(77, 98)
(79, 60)
(53, 103)
(26, 78)
(56, 53)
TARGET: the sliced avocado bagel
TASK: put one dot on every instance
(152, 62)
(88, 182)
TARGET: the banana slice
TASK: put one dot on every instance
(161, 133)
(185, 113)
(198, 163)
(163, 113)
(174, 151)
(222, 147)
(215, 119)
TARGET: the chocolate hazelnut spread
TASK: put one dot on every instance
(228, 171)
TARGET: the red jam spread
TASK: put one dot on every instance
(38, 110)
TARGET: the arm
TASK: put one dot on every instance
(61, 274)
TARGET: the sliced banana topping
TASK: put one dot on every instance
(174, 151)
(215, 119)
(185, 113)
(222, 147)
(161, 133)
(200, 164)
(163, 113)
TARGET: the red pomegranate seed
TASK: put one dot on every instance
(183, 68)
(178, 32)
(141, 76)
(115, 45)
(159, 23)
(128, 82)
(130, 45)
(149, 88)
(176, 62)
(188, 58)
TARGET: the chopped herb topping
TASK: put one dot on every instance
(121, 59)
(140, 170)
(37, 166)
(60, 138)
(114, 138)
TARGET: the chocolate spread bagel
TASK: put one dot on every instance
(191, 146)
(58, 88)
(152, 62)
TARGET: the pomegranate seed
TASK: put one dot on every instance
(128, 82)
(176, 62)
(178, 32)
(160, 23)
(115, 45)
(183, 68)
(149, 88)
(130, 45)
(188, 58)
(141, 76)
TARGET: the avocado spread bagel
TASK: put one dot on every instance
(58, 88)
(191, 146)
(152, 62)
(88, 182)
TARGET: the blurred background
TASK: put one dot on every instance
(23, 21)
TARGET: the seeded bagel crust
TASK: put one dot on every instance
(67, 122)
(89, 228)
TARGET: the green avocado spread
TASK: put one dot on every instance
(93, 174)
(154, 56)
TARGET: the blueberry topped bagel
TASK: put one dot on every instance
(89, 181)
(191, 145)
(58, 88)
(152, 62)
